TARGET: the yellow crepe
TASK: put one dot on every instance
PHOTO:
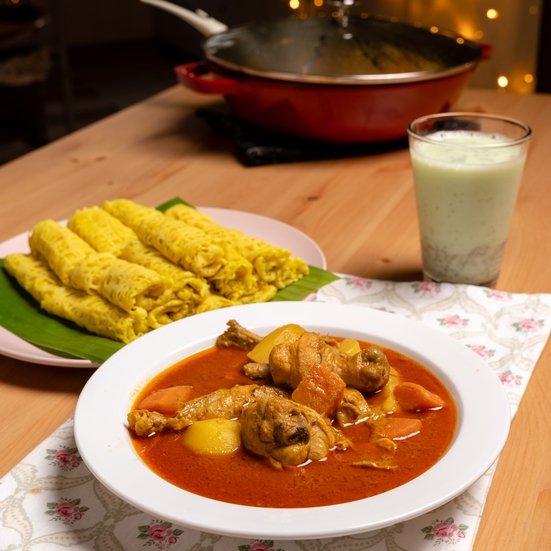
(274, 265)
(133, 288)
(60, 247)
(123, 269)
(167, 312)
(128, 212)
(229, 273)
(88, 311)
(125, 284)
(189, 288)
(100, 230)
(179, 243)
(214, 302)
(32, 274)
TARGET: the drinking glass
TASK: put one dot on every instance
(467, 169)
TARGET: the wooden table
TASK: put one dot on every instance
(360, 210)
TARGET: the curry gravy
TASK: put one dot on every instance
(244, 479)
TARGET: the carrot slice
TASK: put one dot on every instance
(414, 397)
(398, 428)
(167, 400)
(321, 390)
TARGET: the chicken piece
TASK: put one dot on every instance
(144, 422)
(354, 408)
(226, 403)
(289, 362)
(287, 433)
(258, 372)
(237, 335)
(367, 371)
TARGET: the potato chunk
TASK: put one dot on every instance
(349, 346)
(213, 436)
(390, 404)
(286, 333)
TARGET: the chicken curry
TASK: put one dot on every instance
(292, 419)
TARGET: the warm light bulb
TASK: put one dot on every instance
(492, 13)
(528, 78)
(502, 81)
(434, 29)
(294, 4)
(318, 3)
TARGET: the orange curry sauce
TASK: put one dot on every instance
(248, 480)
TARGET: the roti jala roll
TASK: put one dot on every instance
(125, 284)
(192, 290)
(182, 244)
(100, 230)
(122, 269)
(61, 248)
(213, 302)
(264, 293)
(215, 259)
(90, 312)
(272, 264)
(128, 212)
(166, 312)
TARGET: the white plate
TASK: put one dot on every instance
(483, 423)
(254, 225)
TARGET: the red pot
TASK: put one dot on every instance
(327, 112)
(357, 80)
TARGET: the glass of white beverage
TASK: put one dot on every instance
(467, 169)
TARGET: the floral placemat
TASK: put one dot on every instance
(50, 501)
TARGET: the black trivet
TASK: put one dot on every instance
(256, 147)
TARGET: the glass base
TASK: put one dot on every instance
(428, 277)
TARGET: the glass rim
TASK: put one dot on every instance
(470, 115)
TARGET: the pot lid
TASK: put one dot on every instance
(363, 50)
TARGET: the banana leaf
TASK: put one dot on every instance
(21, 315)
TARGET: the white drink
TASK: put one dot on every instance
(466, 184)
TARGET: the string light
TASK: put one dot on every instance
(502, 81)
(490, 25)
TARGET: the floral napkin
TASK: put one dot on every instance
(50, 501)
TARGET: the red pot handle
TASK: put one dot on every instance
(486, 51)
(199, 77)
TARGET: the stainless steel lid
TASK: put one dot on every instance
(366, 50)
